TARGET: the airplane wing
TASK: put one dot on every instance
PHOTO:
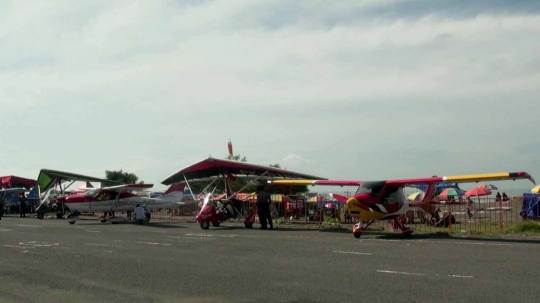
(128, 187)
(12, 190)
(464, 178)
(212, 167)
(406, 182)
(317, 182)
(48, 178)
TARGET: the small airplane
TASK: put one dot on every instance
(385, 200)
(120, 198)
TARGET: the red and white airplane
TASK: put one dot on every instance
(385, 200)
(120, 198)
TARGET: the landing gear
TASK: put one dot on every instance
(73, 217)
(215, 224)
(40, 216)
(358, 229)
(405, 230)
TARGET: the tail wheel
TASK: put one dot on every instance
(40, 215)
(71, 222)
(357, 235)
(204, 225)
(216, 224)
(103, 220)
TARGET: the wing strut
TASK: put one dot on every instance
(248, 184)
(115, 200)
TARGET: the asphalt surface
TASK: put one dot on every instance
(52, 261)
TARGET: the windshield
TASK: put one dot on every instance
(373, 188)
(91, 193)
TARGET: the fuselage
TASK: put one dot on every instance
(105, 201)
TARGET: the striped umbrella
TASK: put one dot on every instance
(536, 189)
(451, 192)
(417, 196)
(478, 191)
(488, 187)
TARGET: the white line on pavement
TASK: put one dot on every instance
(400, 272)
(352, 252)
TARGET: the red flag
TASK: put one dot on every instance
(230, 148)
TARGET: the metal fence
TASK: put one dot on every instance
(486, 216)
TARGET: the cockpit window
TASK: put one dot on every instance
(372, 188)
(91, 193)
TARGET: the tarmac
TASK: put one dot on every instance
(52, 261)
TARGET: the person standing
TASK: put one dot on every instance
(22, 202)
(147, 214)
(263, 207)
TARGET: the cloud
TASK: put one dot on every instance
(367, 89)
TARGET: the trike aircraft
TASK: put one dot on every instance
(120, 198)
(385, 200)
(212, 169)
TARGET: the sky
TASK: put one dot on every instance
(368, 90)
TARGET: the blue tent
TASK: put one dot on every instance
(531, 206)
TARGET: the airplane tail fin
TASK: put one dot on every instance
(175, 193)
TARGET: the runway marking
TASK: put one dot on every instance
(93, 231)
(16, 246)
(44, 244)
(400, 272)
(146, 243)
(27, 225)
(103, 245)
(420, 274)
(458, 276)
(191, 238)
(352, 252)
(5, 229)
(211, 236)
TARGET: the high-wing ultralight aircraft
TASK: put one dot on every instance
(385, 200)
(120, 198)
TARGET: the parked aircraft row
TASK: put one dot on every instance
(372, 201)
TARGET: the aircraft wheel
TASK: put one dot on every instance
(40, 215)
(205, 225)
(103, 220)
(248, 225)
(357, 235)
(71, 222)
(216, 224)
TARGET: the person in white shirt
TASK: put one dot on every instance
(139, 214)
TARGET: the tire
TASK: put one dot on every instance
(357, 235)
(204, 225)
(71, 222)
(216, 224)
(103, 220)
(40, 216)
(248, 225)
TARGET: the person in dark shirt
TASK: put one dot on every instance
(22, 206)
(263, 207)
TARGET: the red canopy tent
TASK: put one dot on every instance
(14, 181)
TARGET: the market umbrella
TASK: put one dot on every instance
(330, 205)
(536, 189)
(417, 196)
(451, 192)
(478, 191)
(488, 186)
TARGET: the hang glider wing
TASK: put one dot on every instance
(48, 178)
(317, 182)
(14, 181)
(212, 167)
(129, 187)
(464, 179)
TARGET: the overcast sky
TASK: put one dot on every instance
(341, 89)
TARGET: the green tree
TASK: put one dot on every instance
(122, 177)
